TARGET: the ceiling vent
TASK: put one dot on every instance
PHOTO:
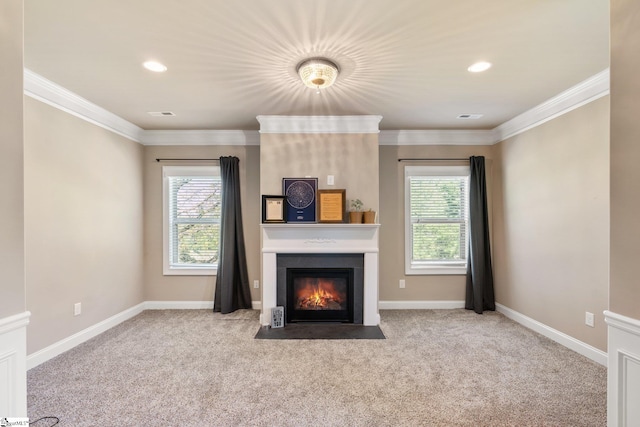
(469, 116)
(161, 113)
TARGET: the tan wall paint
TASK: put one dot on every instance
(197, 288)
(351, 158)
(83, 217)
(551, 234)
(625, 154)
(12, 284)
(418, 288)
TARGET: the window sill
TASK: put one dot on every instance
(436, 271)
(190, 271)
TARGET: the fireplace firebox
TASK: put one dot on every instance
(321, 287)
(319, 295)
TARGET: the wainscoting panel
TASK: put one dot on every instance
(13, 367)
(623, 381)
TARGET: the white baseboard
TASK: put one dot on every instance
(68, 343)
(420, 305)
(188, 305)
(578, 346)
(623, 375)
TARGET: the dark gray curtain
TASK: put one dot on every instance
(232, 281)
(479, 295)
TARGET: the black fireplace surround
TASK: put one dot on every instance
(321, 287)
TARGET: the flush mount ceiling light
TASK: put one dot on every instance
(317, 73)
(479, 67)
(155, 66)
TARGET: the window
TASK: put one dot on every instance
(191, 218)
(436, 219)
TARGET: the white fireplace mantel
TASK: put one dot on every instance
(320, 238)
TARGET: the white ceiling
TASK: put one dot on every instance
(230, 61)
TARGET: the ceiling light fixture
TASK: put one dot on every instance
(155, 66)
(317, 73)
(479, 67)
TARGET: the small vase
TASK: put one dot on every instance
(355, 217)
(369, 217)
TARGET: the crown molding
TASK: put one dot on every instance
(46, 91)
(319, 124)
(55, 95)
(436, 137)
(584, 92)
(200, 137)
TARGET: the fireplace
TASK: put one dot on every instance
(321, 287)
(321, 246)
(319, 295)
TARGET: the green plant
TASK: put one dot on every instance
(356, 205)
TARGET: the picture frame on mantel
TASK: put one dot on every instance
(301, 196)
(273, 209)
(331, 206)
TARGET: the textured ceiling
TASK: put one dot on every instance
(230, 61)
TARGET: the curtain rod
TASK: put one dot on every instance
(466, 159)
(200, 160)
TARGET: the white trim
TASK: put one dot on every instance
(623, 374)
(78, 338)
(420, 305)
(584, 92)
(188, 305)
(319, 124)
(436, 137)
(13, 365)
(571, 343)
(178, 305)
(14, 322)
(200, 137)
(55, 95)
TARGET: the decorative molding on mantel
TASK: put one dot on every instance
(319, 124)
(200, 137)
(14, 322)
(583, 93)
(46, 91)
(436, 137)
(55, 95)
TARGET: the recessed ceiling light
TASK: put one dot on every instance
(155, 66)
(479, 67)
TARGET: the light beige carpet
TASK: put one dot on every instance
(436, 368)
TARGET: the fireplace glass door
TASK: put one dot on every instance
(319, 295)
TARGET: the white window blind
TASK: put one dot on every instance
(436, 219)
(192, 219)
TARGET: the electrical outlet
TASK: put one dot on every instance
(402, 284)
(330, 180)
(588, 319)
(77, 309)
(256, 284)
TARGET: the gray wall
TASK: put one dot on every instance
(551, 223)
(12, 290)
(625, 154)
(83, 223)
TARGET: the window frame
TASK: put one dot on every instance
(181, 171)
(429, 268)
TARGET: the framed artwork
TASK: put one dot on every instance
(273, 209)
(301, 199)
(331, 206)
